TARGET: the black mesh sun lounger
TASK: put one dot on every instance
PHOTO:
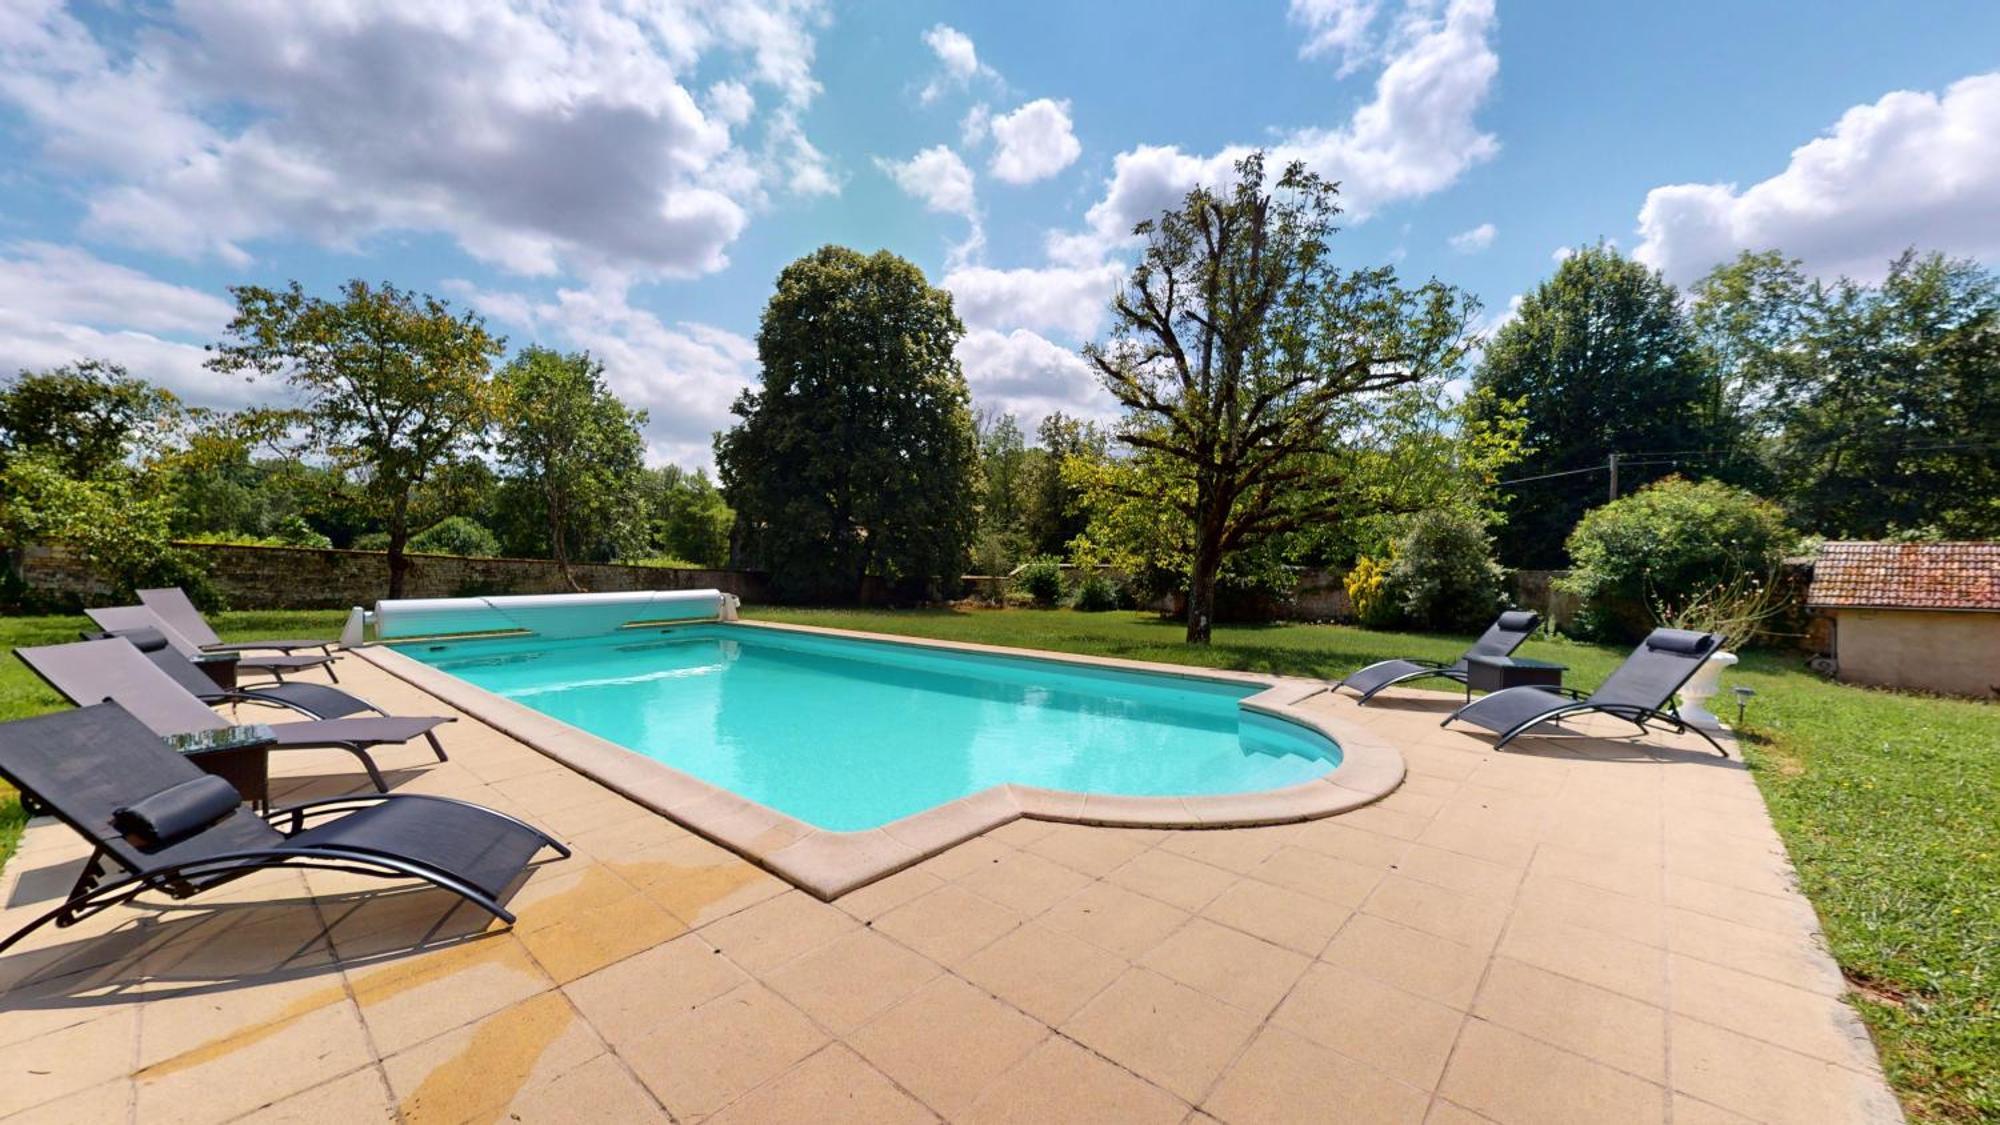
(175, 608)
(1640, 691)
(314, 701)
(95, 671)
(158, 823)
(125, 618)
(1500, 639)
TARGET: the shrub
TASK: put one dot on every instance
(1443, 576)
(1368, 592)
(122, 534)
(1041, 579)
(456, 536)
(370, 541)
(1096, 593)
(1664, 545)
(294, 531)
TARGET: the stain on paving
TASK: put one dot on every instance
(482, 1079)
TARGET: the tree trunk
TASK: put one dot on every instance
(1201, 579)
(399, 537)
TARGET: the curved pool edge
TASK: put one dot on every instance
(829, 864)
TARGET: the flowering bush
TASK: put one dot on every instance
(1368, 592)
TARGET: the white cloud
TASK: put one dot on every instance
(60, 304)
(684, 375)
(958, 62)
(976, 124)
(1909, 169)
(1070, 302)
(1335, 27)
(1474, 240)
(1562, 254)
(1030, 377)
(542, 138)
(938, 179)
(1416, 136)
(1034, 142)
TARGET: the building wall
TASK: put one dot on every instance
(307, 578)
(1950, 653)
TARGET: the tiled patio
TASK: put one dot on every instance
(1604, 931)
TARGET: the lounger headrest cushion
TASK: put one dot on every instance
(145, 640)
(1683, 641)
(177, 810)
(1518, 620)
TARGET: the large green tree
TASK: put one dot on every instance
(577, 448)
(1235, 345)
(689, 520)
(395, 386)
(1876, 407)
(86, 417)
(1603, 361)
(1053, 511)
(856, 454)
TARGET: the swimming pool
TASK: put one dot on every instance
(849, 734)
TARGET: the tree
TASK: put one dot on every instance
(395, 385)
(87, 416)
(576, 445)
(690, 521)
(1054, 512)
(1878, 407)
(1235, 343)
(1004, 467)
(856, 456)
(1603, 361)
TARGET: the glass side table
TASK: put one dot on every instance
(239, 755)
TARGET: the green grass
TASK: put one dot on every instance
(1889, 804)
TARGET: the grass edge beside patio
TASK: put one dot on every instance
(1887, 802)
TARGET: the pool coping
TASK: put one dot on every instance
(829, 864)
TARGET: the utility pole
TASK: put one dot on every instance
(1611, 462)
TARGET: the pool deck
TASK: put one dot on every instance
(1592, 930)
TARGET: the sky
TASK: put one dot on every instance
(629, 176)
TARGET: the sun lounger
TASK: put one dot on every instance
(125, 618)
(1641, 691)
(94, 671)
(159, 824)
(1500, 639)
(175, 608)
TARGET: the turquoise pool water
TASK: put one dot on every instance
(852, 734)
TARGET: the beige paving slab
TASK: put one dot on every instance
(700, 1060)
(948, 1043)
(1230, 965)
(1043, 971)
(1295, 921)
(834, 1086)
(1284, 1078)
(1510, 1077)
(852, 979)
(1060, 1081)
(1163, 1031)
(1405, 1036)
(948, 924)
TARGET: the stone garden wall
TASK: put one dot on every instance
(307, 578)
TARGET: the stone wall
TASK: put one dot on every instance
(307, 578)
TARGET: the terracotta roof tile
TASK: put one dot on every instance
(1958, 576)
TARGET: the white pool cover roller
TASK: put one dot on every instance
(548, 615)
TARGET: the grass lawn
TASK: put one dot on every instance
(1890, 804)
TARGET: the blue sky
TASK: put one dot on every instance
(630, 176)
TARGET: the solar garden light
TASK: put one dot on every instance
(1743, 695)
